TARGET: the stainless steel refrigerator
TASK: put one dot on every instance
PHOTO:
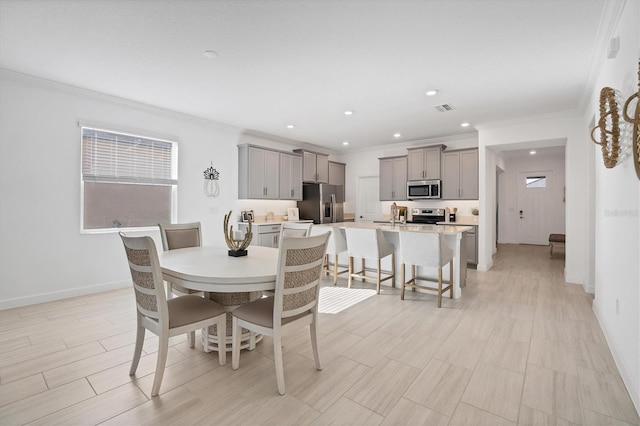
(322, 203)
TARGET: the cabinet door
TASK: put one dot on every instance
(322, 168)
(415, 165)
(432, 163)
(309, 167)
(336, 173)
(290, 177)
(471, 248)
(386, 179)
(271, 175)
(450, 176)
(256, 173)
(469, 175)
(400, 178)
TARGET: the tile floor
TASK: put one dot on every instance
(520, 347)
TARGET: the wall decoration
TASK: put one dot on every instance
(293, 213)
(635, 120)
(615, 134)
(237, 241)
(211, 176)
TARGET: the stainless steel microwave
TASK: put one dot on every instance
(423, 189)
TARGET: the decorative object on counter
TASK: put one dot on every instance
(237, 245)
(636, 124)
(452, 215)
(269, 217)
(475, 212)
(246, 216)
(293, 213)
(211, 187)
(615, 134)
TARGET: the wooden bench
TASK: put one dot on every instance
(555, 239)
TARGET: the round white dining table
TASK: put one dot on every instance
(211, 269)
(230, 281)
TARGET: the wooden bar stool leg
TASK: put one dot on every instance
(335, 269)
(378, 278)
(451, 280)
(350, 271)
(413, 277)
(393, 270)
(439, 287)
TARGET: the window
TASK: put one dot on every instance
(536, 182)
(128, 181)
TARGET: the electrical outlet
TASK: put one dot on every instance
(617, 307)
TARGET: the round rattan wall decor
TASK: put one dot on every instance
(609, 126)
(635, 120)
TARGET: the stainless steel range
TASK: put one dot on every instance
(427, 216)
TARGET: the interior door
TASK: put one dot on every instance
(367, 199)
(533, 207)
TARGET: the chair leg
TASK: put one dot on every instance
(413, 277)
(440, 287)
(191, 337)
(335, 269)
(393, 270)
(378, 277)
(451, 280)
(163, 347)
(314, 343)
(277, 353)
(222, 345)
(403, 284)
(350, 271)
(138, 348)
(169, 288)
(235, 344)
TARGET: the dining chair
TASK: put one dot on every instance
(176, 236)
(164, 317)
(295, 229)
(295, 302)
(337, 245)
(428, 250)
(370, 244)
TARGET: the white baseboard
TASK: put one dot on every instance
(627, 379)
(63, 294)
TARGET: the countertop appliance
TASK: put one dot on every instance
(423, 189)
(322, 203)
(427, 216)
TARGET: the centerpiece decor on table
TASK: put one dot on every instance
(237, 241)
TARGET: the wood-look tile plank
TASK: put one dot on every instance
(467, 415)
(370, 350)
(506, 353)
(27, 353)
(13, 344)
(44, 403)
(605, 393)
(21, 389)
(462, 351)
(331, 346)
(556, 355)
(595, 356)
(347, 412)
(406, 412)
(381, 388)
(416, 350)
(495, 390)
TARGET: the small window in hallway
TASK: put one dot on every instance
(536, 182)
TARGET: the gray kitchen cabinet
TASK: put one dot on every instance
(336, 173)
(460, 175)
(258, 173)
(424, 163)
(471, 246)
(290, 176)
(393, 178)
(315, 166)
(265, 235)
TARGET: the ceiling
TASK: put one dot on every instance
(307, 62)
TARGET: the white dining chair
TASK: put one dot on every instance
(428, 250)
(295, 303)
(164, 317)
(295, 229)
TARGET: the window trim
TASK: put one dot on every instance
(173, 182)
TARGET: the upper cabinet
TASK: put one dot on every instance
(460, 175)
(336, 173)
(290, 176)
(258, 173)
(424, 163)
(393, 179)
(315, 166)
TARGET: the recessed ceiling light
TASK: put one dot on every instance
(345, 143)
(290, 126)
(396, 135)
(211, 54)
(431, 92)
(348, 112)
(465, 125)
(532, 152)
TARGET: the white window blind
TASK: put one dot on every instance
(128, 181)
(116, 157)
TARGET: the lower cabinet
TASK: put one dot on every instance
(471, 246)
(265, 235)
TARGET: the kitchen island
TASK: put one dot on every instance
(454, 237)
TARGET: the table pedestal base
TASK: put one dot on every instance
(230, 302)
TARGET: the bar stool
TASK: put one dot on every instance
(427, 250)
(370, 244)
(336, 246)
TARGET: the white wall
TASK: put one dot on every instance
(43, 255)
(508, 194)
(617, 217)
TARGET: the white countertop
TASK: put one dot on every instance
(388, 227)
(458, 223)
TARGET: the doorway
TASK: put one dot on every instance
(534, 207)
(367, 198)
